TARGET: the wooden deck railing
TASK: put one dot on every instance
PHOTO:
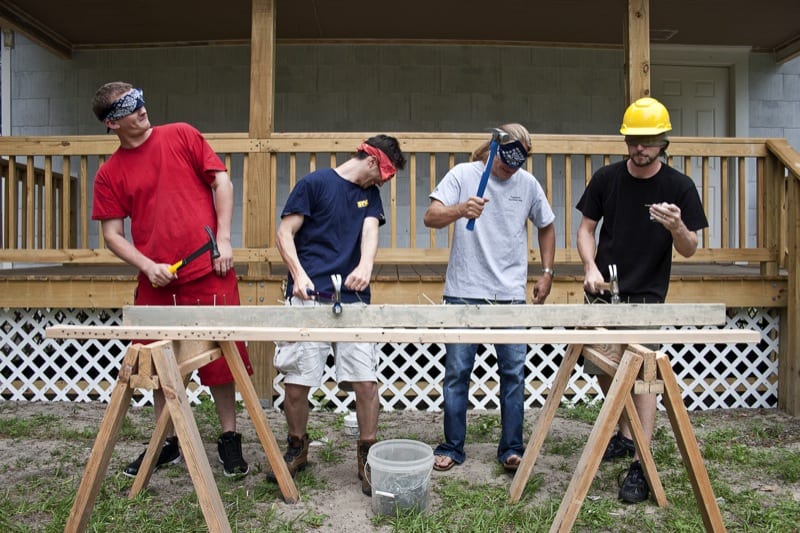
(743, 184)
(750, 189)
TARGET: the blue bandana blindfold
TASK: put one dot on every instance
(513, 154)
(125, 106)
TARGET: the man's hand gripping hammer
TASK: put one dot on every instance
(613, 284)
(210, 246)
(336, 297)
(498, 138)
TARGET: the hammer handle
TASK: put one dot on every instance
(175, 266)
(484, 178)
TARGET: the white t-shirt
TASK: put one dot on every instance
(491, 262)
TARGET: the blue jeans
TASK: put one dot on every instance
(459, 361)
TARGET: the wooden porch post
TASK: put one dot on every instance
(637, 50)
(789, 355)
(257, 217)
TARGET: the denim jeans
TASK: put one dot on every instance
(459, 361)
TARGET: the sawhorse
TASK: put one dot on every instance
(166, 365)
(656, 377)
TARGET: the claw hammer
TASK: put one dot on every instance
(498, 137)
(613, 284)
(335, 297)
(210, 246)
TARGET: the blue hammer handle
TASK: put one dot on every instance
(484, 178)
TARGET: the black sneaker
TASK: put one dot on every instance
(634, 487)
(619, 446)
(170, 455)
(229, 447)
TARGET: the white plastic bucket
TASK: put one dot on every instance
(400, 473)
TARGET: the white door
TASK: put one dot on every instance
(698, 99)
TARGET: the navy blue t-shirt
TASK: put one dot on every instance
(329, 241)
(641, 248)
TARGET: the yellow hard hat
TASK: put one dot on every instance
(646, 116)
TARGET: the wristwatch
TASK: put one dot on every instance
(549, 271)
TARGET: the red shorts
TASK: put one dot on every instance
(207, 290)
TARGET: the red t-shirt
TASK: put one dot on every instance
(164, 186)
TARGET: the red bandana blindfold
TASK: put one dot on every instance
(387, 169)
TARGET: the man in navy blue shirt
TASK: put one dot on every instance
(329, 226)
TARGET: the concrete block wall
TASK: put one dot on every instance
(775, 99)
(370, 88)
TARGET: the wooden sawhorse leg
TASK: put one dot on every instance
(687, 444)
(103, 446)
(619, 401)
(173, 362)
(201, 353)
(598, 439)
(542, 426)
(260, 423)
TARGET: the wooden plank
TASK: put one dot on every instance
(444, 316)
(410, 335)
(102, 256)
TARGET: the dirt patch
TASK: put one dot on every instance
(334, 492)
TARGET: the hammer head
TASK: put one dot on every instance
(213, 241)
(499, 136)
(613, 280)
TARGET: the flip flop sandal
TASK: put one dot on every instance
(512, 467)
(446, 466)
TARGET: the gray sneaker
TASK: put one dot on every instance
(170, 455)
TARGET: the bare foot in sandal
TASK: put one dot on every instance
(512, 463)
(442, 463)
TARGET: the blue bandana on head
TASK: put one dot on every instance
(125, 105)
(513, 154)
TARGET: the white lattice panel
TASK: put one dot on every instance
(713, 376)
(34, 367)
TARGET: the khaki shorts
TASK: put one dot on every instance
(303, 363)
(613, 352)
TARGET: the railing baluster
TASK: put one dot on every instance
(724, 207)
(742, 197)
(28, 202)
(431, 186)
(412, 201)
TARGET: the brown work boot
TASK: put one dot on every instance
(362, 452)
(296, 456)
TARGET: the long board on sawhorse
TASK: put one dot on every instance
(166, 365)
(639, 371)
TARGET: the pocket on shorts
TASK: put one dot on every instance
(285, 358)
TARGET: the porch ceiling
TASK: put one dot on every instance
(771, 26)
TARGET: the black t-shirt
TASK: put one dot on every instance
(641, 248)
